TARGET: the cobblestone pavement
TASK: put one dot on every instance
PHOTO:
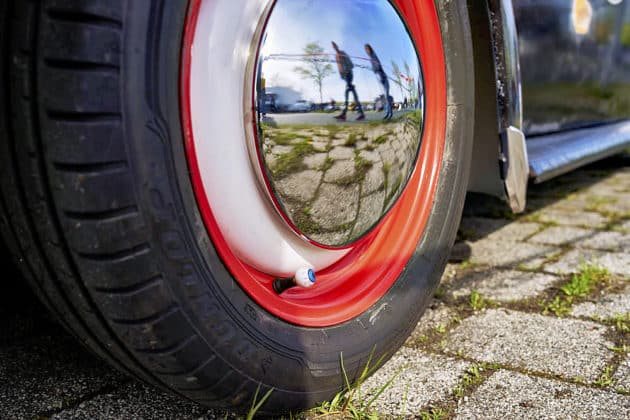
(532, 320)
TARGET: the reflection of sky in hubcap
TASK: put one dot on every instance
(339, 100)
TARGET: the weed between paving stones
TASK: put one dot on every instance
(585, 283)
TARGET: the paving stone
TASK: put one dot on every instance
(300, 186)
(622, 376)
(561, 235)
(423, 378)
(435, 316)
(481, 227)
(138, 401)
(506, 253)
(570, 348)
(605, 307)
(44, 374)
(335, 205)
(341, 152)
(570, 262)
(511, 395)
(450, 273)
(503, 285)
(572, 202)
(574, 218)
(315, 161)
(609, 241)
(341, 170)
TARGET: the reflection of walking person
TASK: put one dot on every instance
(377, 68)
(345, 71)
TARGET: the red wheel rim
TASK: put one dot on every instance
(356, 282)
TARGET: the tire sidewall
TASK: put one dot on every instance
(301, 363)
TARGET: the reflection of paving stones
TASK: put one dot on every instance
(516, 396)
(606, 307)
(370, 210)
(331, 237)
(571, 262)
(315, 161)
(569, 348)
(374, 179)
(336, 205)
(341, 153)
(431, 379)
(340, 171)
(300, 186)
(504, 285)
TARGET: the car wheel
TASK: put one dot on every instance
(128, 198)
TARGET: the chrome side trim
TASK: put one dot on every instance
(507, 64)
(555, 154)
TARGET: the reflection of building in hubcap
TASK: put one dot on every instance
(336, 162)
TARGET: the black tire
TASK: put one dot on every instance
(98, 211)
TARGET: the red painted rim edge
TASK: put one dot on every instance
(358, 280)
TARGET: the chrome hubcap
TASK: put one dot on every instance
(338, 98)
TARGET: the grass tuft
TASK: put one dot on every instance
(477, 301)
(606, 378)
(349, 403)
(472, 376)
(351, 141)
(581, 285)
(433, 414)
(583, 282)
(257, 404)
(292, 161)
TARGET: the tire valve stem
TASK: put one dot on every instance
(304, 277)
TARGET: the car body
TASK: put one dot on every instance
(579, 89)
(300, 106)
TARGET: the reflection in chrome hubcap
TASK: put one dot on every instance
(339, 106)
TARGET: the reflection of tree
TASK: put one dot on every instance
(410, 82)
(406, 82)
(315, 68)
(398, 78)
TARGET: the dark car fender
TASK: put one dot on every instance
(499, 166)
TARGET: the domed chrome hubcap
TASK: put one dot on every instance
(339, 100)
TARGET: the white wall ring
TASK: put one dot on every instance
(224, 39)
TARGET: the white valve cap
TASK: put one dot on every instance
(305, 277)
